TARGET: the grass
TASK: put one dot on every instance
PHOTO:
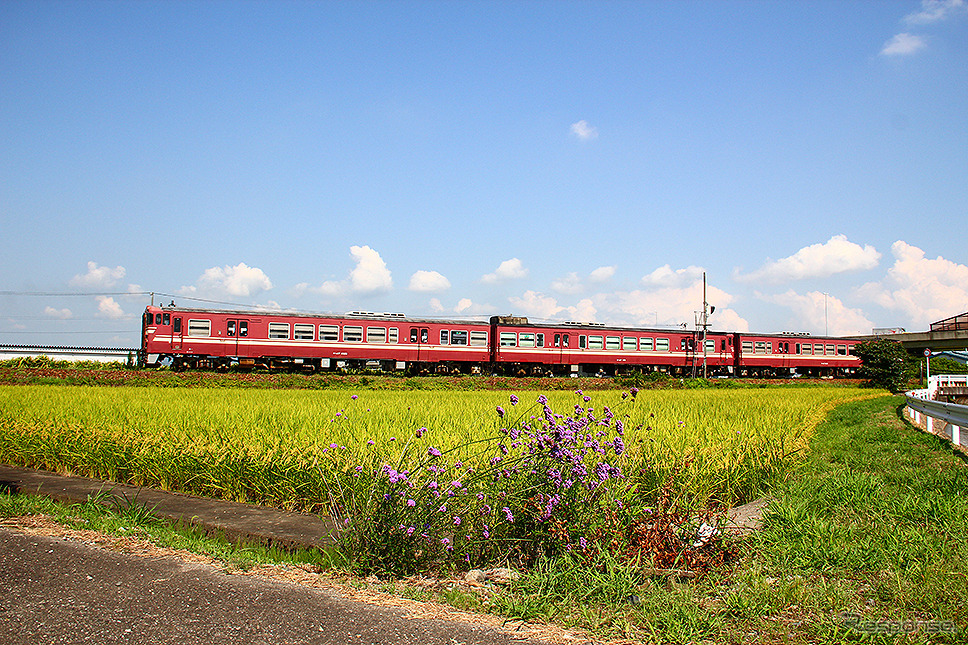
(871, 523)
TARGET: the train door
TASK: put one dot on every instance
(236, 331)
(420, 336)
(177, 333)
(560, 342)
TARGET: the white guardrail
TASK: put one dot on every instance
(947, 420)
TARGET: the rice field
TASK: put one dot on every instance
(416, 478)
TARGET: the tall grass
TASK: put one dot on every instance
(389, 457)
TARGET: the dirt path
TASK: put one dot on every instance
(63, 586)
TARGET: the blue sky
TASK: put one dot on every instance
(559, 160)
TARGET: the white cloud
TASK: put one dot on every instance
(98, 276)
(903, 44)
(436, 306)
(60, 314)
(601, 274)
(370, 275)
(508, 270)
(936, 11)
(572, 284)
(584, 131)
(836, 255)
(428, 281)
(923, 289)
(818, 313)
(665, 277)
(464, 304)
(669, 306)
(108, 308)
(532, 303)
(239, 281)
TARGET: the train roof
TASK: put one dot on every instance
(351, 315)
(507, 321)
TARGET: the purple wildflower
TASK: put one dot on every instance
(433, 452)
(508, 515)
(514, 399)
(456, 520)
(411, 503)
(354, 397)
(542, 399)
(420, 432)
(500, 412)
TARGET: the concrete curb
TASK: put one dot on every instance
(237, 522)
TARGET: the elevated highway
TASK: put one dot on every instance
(918, 341)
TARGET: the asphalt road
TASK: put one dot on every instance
(56, 590)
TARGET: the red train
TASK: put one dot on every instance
(220, 339)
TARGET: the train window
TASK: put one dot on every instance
(526, 340)
(613, 342)
(157, 319)
(722, 346)
(760, 347)
(478, 338)
(841, 350)
(352, 334)
(329, 333)
(302, 331)
(582, 341)
(539, 340)
(509, 339)
(413, 334)
(564, 340)
(230, 328)
(596, 342)
(458, 337)
(376, 334)
(199, 327)
(661, 344)
(424, 335)
(279, 330)
(557, 340)
(710, 346)
(394, 335)
(646, 344)
(243, 328)
(830, 350)
(176, 327)
(628, 344)
(747, 347)
(443, 337)
(769, 348)
(166, 319)
(818, 349)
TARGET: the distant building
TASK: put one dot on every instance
(958, 357)
(955, 323)
(883, 331)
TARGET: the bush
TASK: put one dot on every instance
(885, 364)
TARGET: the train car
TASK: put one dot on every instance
(795, 354)
(220, 339)
(521, 347)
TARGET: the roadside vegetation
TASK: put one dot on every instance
(609, 503)
(862, 543)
